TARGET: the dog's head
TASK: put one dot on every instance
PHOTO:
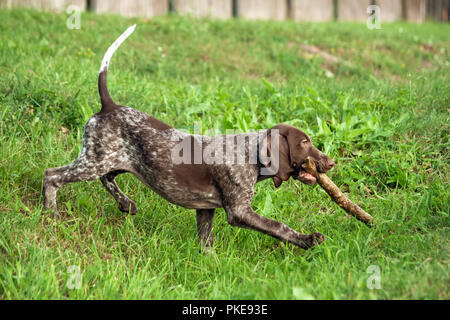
(294, 146)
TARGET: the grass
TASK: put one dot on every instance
(382, 112)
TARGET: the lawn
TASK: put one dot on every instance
(376, 101)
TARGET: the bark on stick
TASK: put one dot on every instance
(336, 194)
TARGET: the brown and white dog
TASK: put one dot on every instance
(192, 171)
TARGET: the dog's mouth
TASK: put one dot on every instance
(306, 177)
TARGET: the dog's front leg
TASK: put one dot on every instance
(242, 215)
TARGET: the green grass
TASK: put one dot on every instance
(383, 114)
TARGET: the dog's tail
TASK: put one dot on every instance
(107, 102)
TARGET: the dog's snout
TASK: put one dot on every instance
(325, 164)
(330, 164)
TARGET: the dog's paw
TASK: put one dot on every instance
(313, 240)
(207, 251)
(54, 215)
(128, 207)
(317, 238)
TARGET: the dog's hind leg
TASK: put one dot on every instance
(125, 204)
(79, 170)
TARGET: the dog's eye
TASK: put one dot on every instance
(304, 140)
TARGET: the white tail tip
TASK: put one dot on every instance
(114, 46)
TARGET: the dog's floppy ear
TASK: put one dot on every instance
(293, 138)
(278, 165)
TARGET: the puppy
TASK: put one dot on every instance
(193, 171)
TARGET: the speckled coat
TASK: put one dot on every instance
(120, 139)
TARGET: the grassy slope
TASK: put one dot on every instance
(383, 116)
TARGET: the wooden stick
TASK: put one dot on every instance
(336, 194)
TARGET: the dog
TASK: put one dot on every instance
(183, 168)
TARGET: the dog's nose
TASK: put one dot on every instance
(330, 164)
